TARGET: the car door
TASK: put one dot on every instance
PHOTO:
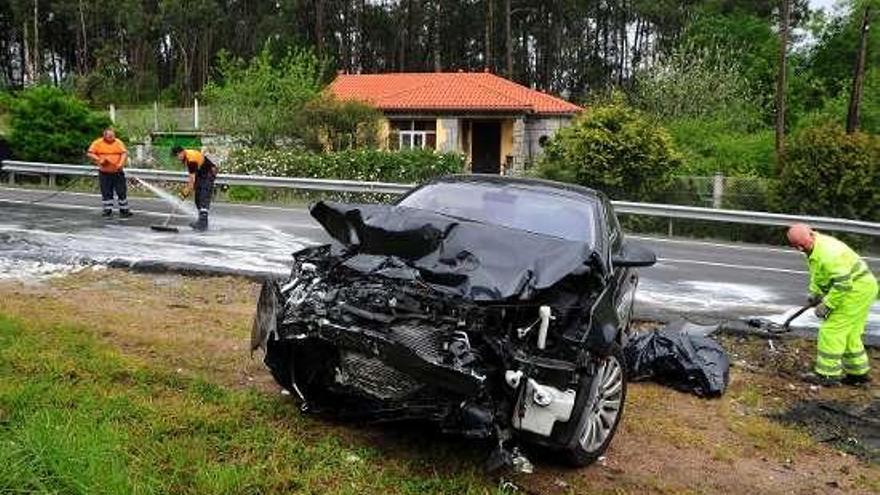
(624, 280)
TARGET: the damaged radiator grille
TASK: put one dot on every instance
(374, 377)
(426, 341)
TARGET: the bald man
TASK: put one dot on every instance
(843, 288)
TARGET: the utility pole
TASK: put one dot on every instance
(780, 85)
(855, 97)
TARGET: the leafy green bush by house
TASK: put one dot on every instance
(362, 165)
(259, 101)
(48, 124)
(328, 124)
(830, 173)
(615, 149)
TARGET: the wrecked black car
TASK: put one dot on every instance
(493, 307)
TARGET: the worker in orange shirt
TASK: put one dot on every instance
(110, 155)
(202, 173)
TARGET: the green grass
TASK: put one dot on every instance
(77, 417)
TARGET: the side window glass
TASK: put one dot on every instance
(613, 227)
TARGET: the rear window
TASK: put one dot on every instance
(510, 206)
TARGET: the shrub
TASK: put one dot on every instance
(259, 101)
(328, 124)
(612, 148)
(362, 165)
(48, 124)
(830, 173)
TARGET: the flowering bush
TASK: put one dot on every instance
(361, 165)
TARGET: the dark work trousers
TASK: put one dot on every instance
(113, 182)
(204, 190)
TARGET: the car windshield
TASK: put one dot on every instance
(509, 206)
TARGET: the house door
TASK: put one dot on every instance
(486, 148)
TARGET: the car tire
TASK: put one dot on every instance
(602, 410)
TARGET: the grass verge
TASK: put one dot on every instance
(77, 417)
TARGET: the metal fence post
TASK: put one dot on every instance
(113, 113)
(156, 116)
(195, 113)
(717, 190)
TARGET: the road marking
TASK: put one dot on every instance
(730, 265)
(729, 246)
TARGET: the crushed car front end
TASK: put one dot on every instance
(405, 318)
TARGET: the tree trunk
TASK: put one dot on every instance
(780, 86)
(36, 51)
(319, 27)
(82, 62)
(508, 42)
(855, 98)
(435, 36)
(489, 20)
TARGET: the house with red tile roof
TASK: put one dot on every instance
(499, 125)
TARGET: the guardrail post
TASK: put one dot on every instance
(11, 178)
(51, 180)
(669, 228)
(717, 190)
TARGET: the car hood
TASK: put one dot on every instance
(472, 260)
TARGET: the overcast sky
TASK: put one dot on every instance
(823, 4)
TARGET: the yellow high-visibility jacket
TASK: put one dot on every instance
(836, 271)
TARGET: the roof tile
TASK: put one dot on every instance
(447, 91)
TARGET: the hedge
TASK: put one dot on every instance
(361, 165)
(830, 173)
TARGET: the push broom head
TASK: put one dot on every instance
(164, 228)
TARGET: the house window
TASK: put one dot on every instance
(413, 134)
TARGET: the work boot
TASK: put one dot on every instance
(201, 224)
(856, 380)
(125, 213)
(821, 380)
(107, 213)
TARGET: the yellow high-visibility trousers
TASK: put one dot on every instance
(840, 347)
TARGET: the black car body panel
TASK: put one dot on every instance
(447, 315)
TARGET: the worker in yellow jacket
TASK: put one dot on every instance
(202, 173)
(843, 289)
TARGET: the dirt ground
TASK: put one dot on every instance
(770, 433)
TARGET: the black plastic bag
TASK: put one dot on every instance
(685, 362)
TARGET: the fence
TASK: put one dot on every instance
(139, 122)
(718, 191)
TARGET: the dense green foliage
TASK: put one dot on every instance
(48, 124)
(710, 145)
(260, 100)
(327, 124)
(363, 165)
(830, 173)
(614, 149)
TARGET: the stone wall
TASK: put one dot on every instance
(536, 130)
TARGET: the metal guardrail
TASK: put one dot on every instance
(647, 209)
(53, 169)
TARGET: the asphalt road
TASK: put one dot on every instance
(703, 281)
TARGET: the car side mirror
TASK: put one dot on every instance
(632, 255)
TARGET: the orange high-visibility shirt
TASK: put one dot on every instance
(111, 153)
